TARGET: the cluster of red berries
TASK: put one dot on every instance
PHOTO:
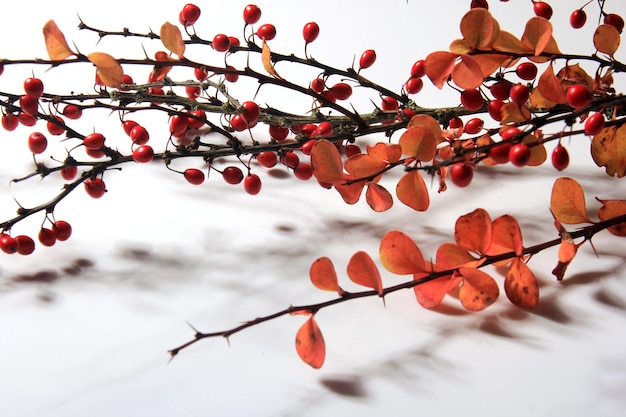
(25, 245)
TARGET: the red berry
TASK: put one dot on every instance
(542, 9)
(72, 112)
(238, 124)
(8, 244)
(232, 78)
(128, 80)
(178, 124)
(26, 119)
(29, 105)
(278, 133)
(389, 104)
(143, 154)
(139, 135)
(455, 123)
(500, 90)
(341, 91)
(56, 128)
(268, 159)
(234, 41)
(303, 172)
(519, 94)
(418, 70)
(47, 237)
(479, 4)
(128, 125)
(519, 154)
(328, 96)
(509, 132)
(473, 126)
(232, 175)
(324, 129)
(578, 96)
(69, 173)
(37, 143)
(250, 111)
(351, 150)
(526, 71)
(594, 124)
(25, 245)
(290, 159)
(266, 31)
(310, 32)
(9, 122)
(189, 15)
(251, 14)
(194, 176)
(308, 130)
(62, 230)
(414, 85)
(578, 18)
(33, 87)
(500, 153)
(221, 43)
(560, 157)
(472, 99)
(193, 91)
(461, 174)
(201, 74)
(198, 121)
(367, 59)
(94, 141)
(252, 184)
(95, 153)
(614, 20)
(495, 109)
(95, 187)
(318, 85)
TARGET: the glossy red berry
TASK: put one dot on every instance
(341, 91)
(479, 4)
(62, 230)
(232, 77)
(8, 244)
(251, 14)
(594, 124)
(69, 173)
(290, 159)
(193, 91)
(278, 133)
(252, 184)
(46, 237)
(318, 85)
(455, 123)
(519, 154)
(500, 90)
(33, 87)
(29, 105)
(139, 135)
(542, 9)
(526, 71)
(238, 124)
(324, 129)
(310, 32)
(472, 99)
(578, 18)
(500, 153)
(57, 128)
(474, 126)
(37, 142)
(367, 59)
(414, 85)
(143, 154)
(72, 111)
(26, 119)
(128, 125)
(494, 108)
(9, 122)
(560, 157)
(266, 31)
(194, 176)
(418, 70)
(578, 96)
(232, 175)
(95, 187)
(189, 15)
(201, 74)
(178, 124)
(198, 120)
(614, 20)
(519, 94)
(221, 43)
(461, 174)
(95, 153)
(25, 244)
(250, 111)
(389, 104)
(303, 172)
(267, 159)
(94, 141)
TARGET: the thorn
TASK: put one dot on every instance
(594, 248)
(227, 339)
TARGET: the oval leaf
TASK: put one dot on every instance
(310, 344)
(419, 142)
(351, 193)
(567, 202)
(520, 285)
(550, 87)
(479, 28)
(378, 197)
(608, 149)
(324, 276)
(56, 45)
(431, 293)
(472, 231)
(451, 256)
(411, 191)
(428, 121)
(364, 166)
(326, 162)
(172, 39)
(438, 66)
(478, 290)
(400, 255)
(468, 74)
(363, 271)
(110, 71)
(506, 236)
(266, 57)
(606, 39)
(611, 209)
(537, 34)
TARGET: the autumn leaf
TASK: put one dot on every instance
(412, 191)
(350, 192)
(514, 113)
(506, 237)
(378, 198)
(567, 251)
(364, 166)
(472, 231)
(550, 86)
(324, 276)
(160, 71)
(538, 152)
(400, 255)
(567, 202)
(110, 71)
(438, 67)
(611, 209)
(467, 74)
(478, 290)
(310, 344)
(507, 42)
(56, 45)
(520, 285)
(387, 152)
(172, 39)
(537, 34)
(326, 162)
(451, 256)
(479, 29)
(431, 293)
(363, 271)
(266, 57)
(428, 121)
(606, 39)
(419, 142)
(608, 149)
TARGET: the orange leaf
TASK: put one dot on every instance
(611, 209)
(411, 191)
(451, 255)
(478, 290)
(400, 255)
(520, 285)
(608, 149)
(56, 45)
(363, 271)
(431, 293)
(472, 231)
(480, 30)
(506, 237)
(507, 42)
(550, 87)
(428, 121)
(351, 193)
(514, 113)
(538, 153)
(489, 63)
(323, 275)
(310, 344)
(326, 162)
(567, 251)
(110, 71)
(606, 39)
(537, 34)
(172, 39)
(266, 57)
(378, 198)
(460, 46)
(438, 66)
(467, 74)
(419, 142)
(160, 71)
(388, 152)
(567, 202)
(364, 166)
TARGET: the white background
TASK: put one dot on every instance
(165, 253)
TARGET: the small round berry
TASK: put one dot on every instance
(614, 20)
(201, 74)
(500, 90)
(33, 87)
(418, 70)
(542, 9)
(324, 129)
(482, 4)
(578, 18)
(310, 32)
(143, 154)
(47, 237)
(29, 105)
(526, 71)
(128, 125)
(578, 96)
(519, 94)
(367, 59)
(494, 108)
(8, 244)
(472, 99)
(198, 120)
(594, 124)
(178, 124)
(414, 85)
(252, 184)
(232, 175)
(455, 123)
(57, 128)
(62, 230)
(94, 141)
(266, 32)
(290, 159)
(461, 174)
(231, 77)
(189, 15)
(251, 14)
(139, 135)
(560, 157)
(25, 244)
(193, 91)
(72, 111)
(250, 111)
(9, 122)
(95, 187)
(389, 104)
(278, 133)
(194, 176)
(474, 126)
(37, 142)
(267, 159)
(26, 119)
(221, 43)
(238, 124)
(500, 153)
(341, 91)
(69, 173)
(519, 155)
(318, 85)
(303, 172)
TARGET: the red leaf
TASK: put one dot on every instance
(438, 66)
(364, 166)
(521, 286)
(567, 201)
(478, 290)
(363, 271)
(467, 74)
(310, 344)
(349, 192)
(378, 197)
(400, 255)
(324, 276)
(326, 162)
(110, 71)
(472, 231)
(419, 142)
(451, 255)
(411, 191)
(430, 294)
(506, 237)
